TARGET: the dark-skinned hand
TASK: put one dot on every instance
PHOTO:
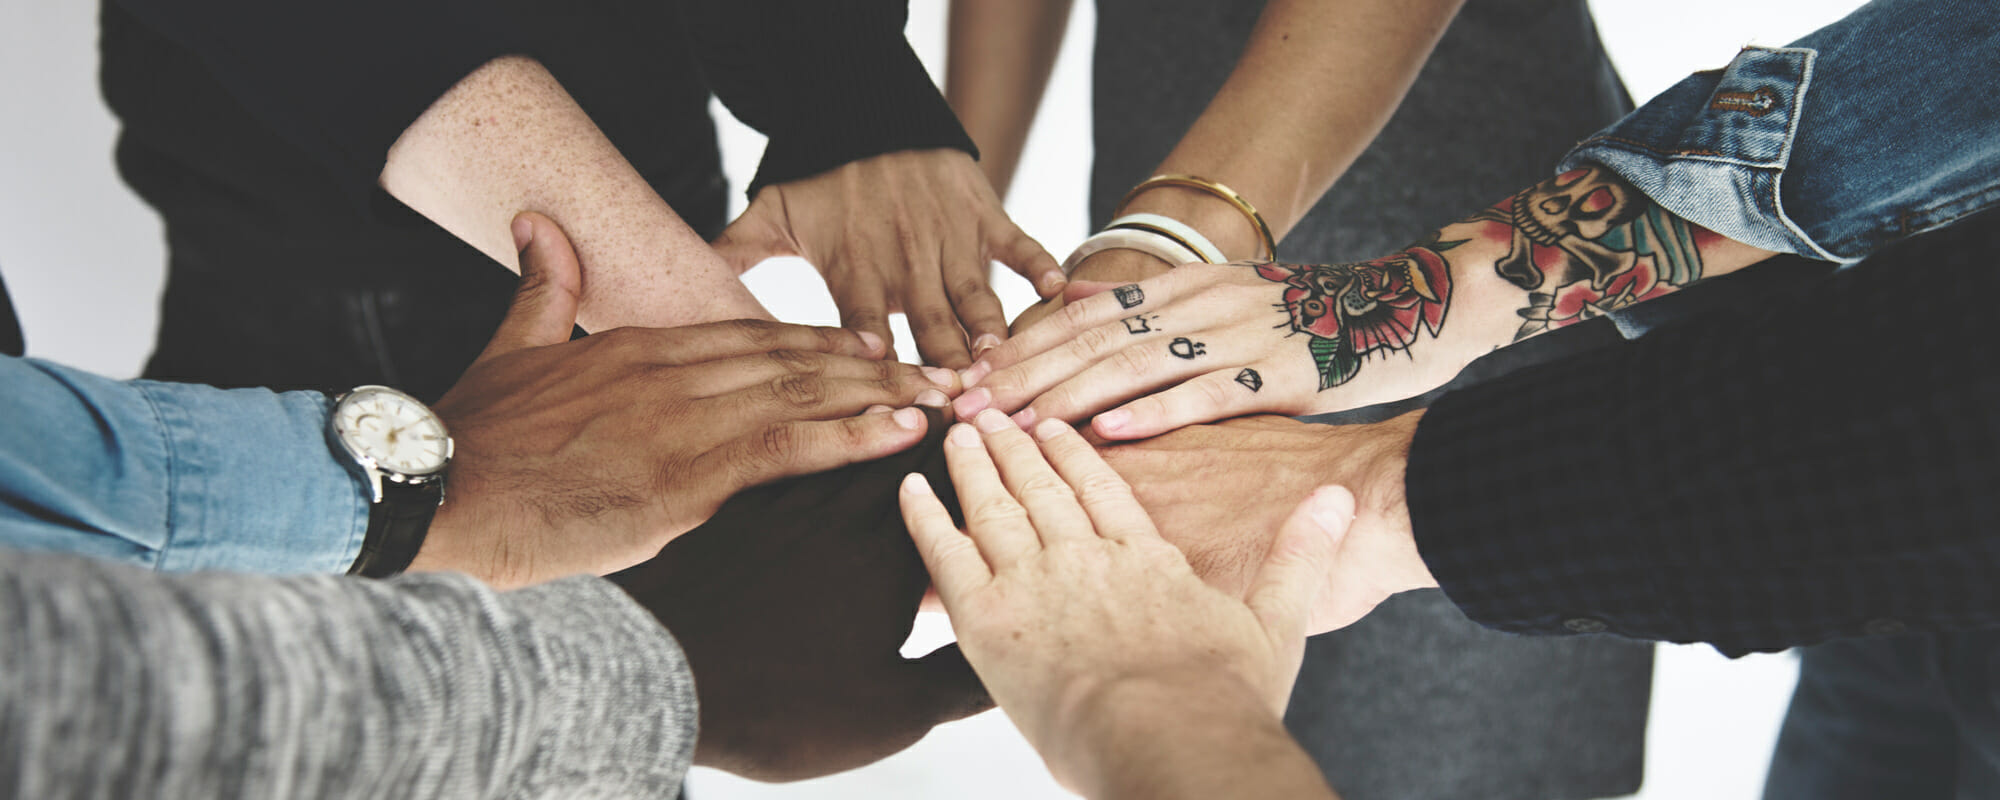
(792, 604)
(590, 455)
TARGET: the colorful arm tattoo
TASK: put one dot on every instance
(1581, 244)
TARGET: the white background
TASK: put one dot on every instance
(84, 260)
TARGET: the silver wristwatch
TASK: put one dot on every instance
(400, 447)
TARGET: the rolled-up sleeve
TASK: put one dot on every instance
(1880, 126)
(176, 477)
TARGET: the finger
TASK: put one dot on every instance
(940, 340)
(1297, 567)
(864, 308)
(545, 304)
(996, 522)
(952, 559)
(1078, 290)
(1061, 387)
(729, 375)
(714, 341)
(1123, 300)
(1050, 501)
(798, 396)
(1105, 496)
(802, 447)
(945, 687)
(1026, 257)
(1215, 396)
(968, 284)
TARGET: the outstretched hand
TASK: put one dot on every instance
(910, 231)
(1060, 588)
(590, 455)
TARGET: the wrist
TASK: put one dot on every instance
(1165, 731)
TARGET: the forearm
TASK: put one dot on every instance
(1571, 248)
(1001, 53)
(1176, 736)
(1315, 85)
(1771, 475)
(117, 682)
(509, 139)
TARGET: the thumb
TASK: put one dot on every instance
(753, 237)
(545, 304)
(1296, 569)
(944, 688)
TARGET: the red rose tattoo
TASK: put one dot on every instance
(1352, 310)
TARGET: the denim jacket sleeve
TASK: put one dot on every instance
(1880, 126)
(176, 477)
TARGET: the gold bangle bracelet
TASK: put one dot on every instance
(1227, 194)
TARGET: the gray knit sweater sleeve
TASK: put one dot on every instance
(117, 682)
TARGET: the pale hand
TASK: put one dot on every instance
(1060, 588)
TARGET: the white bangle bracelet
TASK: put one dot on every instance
(1149, 242)
(1174, 229)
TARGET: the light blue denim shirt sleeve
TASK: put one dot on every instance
(176, 477)
(1880, 126)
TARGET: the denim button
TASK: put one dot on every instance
(1585, 625)
(1884, 627)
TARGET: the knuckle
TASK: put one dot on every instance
(756, 333)
(1074, 316)
(799, 390)
(993, 511)
(1135, 360)
(1045, 486)
(1211, 395)
(1090, 341)
(794, 361)
(970, 287)
(776, 445)
(1098, 487)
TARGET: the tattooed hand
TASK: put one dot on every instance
(1202, 343)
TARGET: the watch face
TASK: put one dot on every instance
(392, 429)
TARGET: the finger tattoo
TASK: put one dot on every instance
(1129, 295)
(1250, 379)
(1139, 324)
(1184, 347)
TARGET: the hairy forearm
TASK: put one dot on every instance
(1572, 248)
(508, 139)
(1316, 83)
(1001, 53)
(1181, 736)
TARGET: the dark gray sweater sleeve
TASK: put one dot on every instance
(118, 682)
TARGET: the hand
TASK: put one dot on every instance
(1061, 590)
(792, 605)
(1206, 342)
(1221, 492)
(590, 455)
(909, 231)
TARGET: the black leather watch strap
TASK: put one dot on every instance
(396, 528)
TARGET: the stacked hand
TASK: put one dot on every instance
(910, 231)
(591, 455)
(1062, 591)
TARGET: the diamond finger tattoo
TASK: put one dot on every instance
(1250, 379)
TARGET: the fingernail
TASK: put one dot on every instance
(871, 340)
(1025, 418)
(524, 233)
(932, 398)
(971, 403)
(992, 421)
(1333, 509)
(878, 408)
(944, 378)
(975, 373)
(1113, 420)
(914, 483)
(908, 419)
(985, 342)
(1050, 429)
(963, 435)
(1051, 282)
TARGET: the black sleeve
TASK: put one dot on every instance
(1756, 478)
(339, 81)
(828, 82)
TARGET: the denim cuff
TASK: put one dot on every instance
(254, 486)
